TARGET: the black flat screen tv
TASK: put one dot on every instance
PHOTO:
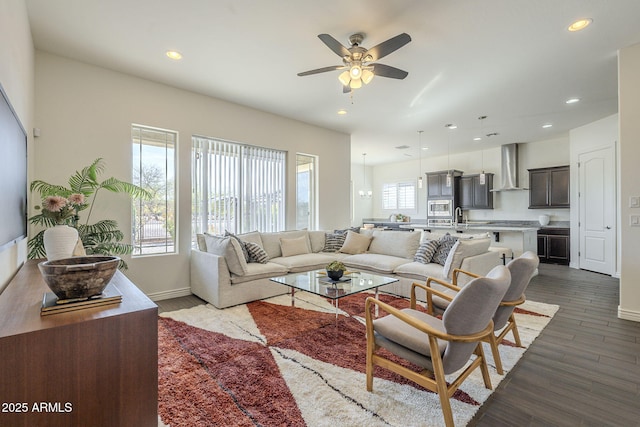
(13, 175)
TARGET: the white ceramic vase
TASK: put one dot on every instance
(59, 242)
(543, 220)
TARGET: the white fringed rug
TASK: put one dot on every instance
(267, 363)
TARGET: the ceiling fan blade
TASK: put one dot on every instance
(388, 71)
(389, 46)
(334, 45)
(322, 70)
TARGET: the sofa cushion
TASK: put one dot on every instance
(253, 236)
(355, 243)
(444, 247)
(316, 238)
(202, 243)
(403, 244)
(333, 242)
(257, 271)
(271, 240)
(230, 249)
(374, 262)
(297, 246)
(419, 271)
(305, 262)
(425, 251)
(462, 249)
(256, 253)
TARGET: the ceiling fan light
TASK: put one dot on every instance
(355, 84)
(367, 76)
(344, 78)
(356, 72)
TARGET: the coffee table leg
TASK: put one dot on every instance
(293, 301)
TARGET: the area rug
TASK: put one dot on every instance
(267, 363)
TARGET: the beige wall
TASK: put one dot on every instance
(508, 205)
(16, 77)
(629, 178)
(85, 112)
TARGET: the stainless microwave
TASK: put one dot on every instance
(440, 208)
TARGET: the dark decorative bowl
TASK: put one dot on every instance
(79, 277)
(334, 275)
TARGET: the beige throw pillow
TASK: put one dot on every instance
(462, 249)
(297, 246)
(355, 243)
(230, 249)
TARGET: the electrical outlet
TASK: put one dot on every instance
(634, 220)
(634, 201)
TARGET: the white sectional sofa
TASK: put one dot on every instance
(221, 275)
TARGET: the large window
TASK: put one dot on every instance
(305, 192)
(399, 195)
(154, 219)
(236, 188)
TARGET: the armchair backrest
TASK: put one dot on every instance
(521, 270)
(470, 312)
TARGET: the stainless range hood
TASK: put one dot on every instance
(509, 163)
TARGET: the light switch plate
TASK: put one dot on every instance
(634, 220)
(634, 201)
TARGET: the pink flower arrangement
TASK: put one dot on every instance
(60, 209)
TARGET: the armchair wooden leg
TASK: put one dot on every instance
(514, 330)
(369, 371)
(441, 387)
(493, 342)
(483, 366)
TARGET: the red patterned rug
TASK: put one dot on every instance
(269, 364)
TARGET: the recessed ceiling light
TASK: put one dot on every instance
(174, 54)
(477, 138)
(547, 125)
(580, 24)
(425, 148)
(572, 100)
(451, 126)
(342, 112)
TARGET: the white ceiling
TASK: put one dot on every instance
(511, 60)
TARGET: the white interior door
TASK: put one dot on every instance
(597, 196)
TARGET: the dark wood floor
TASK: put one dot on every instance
(583, 369)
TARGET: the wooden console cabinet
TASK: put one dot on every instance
(91, 367)
(553, 245)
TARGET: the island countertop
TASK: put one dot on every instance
(478, 227)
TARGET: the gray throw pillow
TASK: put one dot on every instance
(244, 249)
(425, 251)
(256, 253)
(444, 247)
(334, 241)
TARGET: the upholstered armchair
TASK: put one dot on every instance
(521, 269)
(437, 346)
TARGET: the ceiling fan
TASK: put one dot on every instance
(359, 63)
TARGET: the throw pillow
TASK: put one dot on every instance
(244, 250)
(333, 242)
(256, 253)
(202, 244)
(345, 230)
(425, 251)
(297, 246)
(444, 247)
(463, 249)
(230, 249)
(355, 243)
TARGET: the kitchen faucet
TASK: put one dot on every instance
(457, 214)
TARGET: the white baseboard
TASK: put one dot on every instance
(173, 293)
(628, 314)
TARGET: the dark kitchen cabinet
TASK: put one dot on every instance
(474, 195)
(549, 187)
(437, 185)
(553, 245)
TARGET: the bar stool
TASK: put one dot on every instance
(504, 253)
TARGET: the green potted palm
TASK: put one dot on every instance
(62, 207)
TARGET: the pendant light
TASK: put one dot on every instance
(483, 176)
(365, 194)
(449, 180)
(420, 158)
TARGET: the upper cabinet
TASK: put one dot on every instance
(437, 184)
(474, 195)
(549, 187)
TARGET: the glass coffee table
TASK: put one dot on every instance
(317, 282)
